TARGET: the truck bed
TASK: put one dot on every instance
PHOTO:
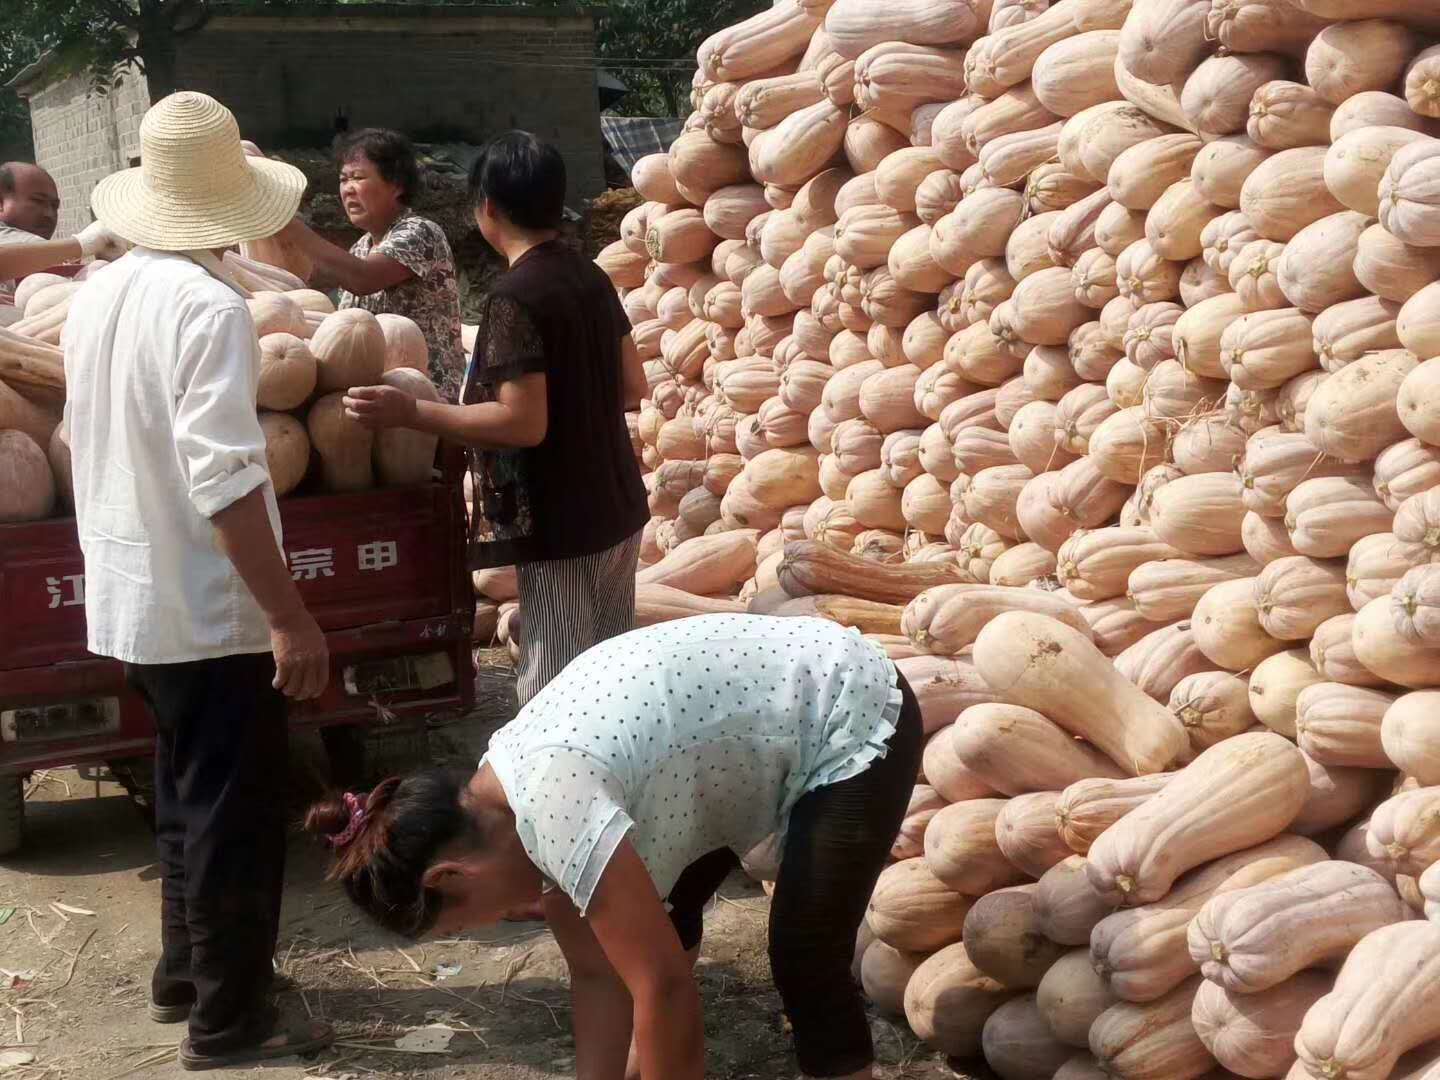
(383, 572)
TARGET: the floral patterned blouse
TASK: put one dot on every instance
(431, 299)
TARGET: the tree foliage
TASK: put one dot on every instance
(650, 46)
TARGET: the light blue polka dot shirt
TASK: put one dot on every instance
(689, 736)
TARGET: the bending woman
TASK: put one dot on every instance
(634, 778)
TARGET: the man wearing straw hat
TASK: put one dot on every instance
(185, 579)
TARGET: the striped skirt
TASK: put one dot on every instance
(568, 605)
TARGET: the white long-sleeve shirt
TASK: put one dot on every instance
(161, 366)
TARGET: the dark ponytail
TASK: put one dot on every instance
(408, 821)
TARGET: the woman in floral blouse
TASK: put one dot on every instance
(402, 264)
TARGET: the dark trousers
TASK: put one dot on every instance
(837, 843)
(221, 749)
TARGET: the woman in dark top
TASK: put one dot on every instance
(557, 489)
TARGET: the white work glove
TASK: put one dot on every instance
(98, 241)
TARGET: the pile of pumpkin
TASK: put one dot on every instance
(309, 355)
(1086, 356)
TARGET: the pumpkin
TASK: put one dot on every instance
(1153, 1040)
(1004, 940)
(913, 911)
(1340, 725)
(1326, 515)
(961, 850)
(1200, 515)
(1203, 814)
(1285, 115)
(948, 1001)
(1227, 629)
(1344, 1033)
(757, 44)
(29, 489)
(884, 972)
(349, 350)
(1408, 736)
(1347, 331)
(1295, 595)
(344, 445)
(404, 455)
(1286, 192)
(1198, 334)
(1349, 58)
(1026, 833)
(1072, 75)
(1135, 732)
(1353, 414)
(1016, 1040)
(1066, 907)
(1017, 750)
(1317, 269)
(1162, 41)
(1142, 952)
(1213, 705)
(1391, 269)
(1333, 654)
(1217, 95)
(1256, 1032)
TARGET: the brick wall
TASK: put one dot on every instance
(454, 76)
(81, 138)
(467, 74)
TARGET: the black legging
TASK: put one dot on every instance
(837, 843)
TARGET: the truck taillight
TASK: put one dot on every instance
(395, 674)
(61, 720)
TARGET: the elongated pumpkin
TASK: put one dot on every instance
(1040, 663)
(1203, 814)
(1253, 939)
(1383, 1004)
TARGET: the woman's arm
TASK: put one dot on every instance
(634, 384)
(362, 277)
(637, 937)
(601, 1007)
(518, 417)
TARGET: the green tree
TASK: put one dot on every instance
(650, 46)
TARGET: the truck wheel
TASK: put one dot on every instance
(12, 813)
(137, 776)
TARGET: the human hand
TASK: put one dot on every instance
(98, 241)
(380, 407)
(302, 658)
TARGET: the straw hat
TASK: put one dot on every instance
(195, 188)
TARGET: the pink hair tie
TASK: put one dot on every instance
(356, 807)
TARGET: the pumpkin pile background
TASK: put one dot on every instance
(1086, 357)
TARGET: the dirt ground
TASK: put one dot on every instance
(79, 934)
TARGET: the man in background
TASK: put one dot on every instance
(29, 210)
(29, 202)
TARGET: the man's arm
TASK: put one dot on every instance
(372, 274)
(517, 418)
(302, 658)
(634, 384)
(22, 259)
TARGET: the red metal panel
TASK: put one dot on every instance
(359, 559)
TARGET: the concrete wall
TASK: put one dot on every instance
(80, 138)
(432, 75)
